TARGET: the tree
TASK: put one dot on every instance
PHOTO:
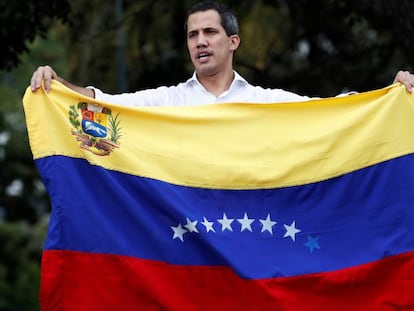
(19, 267)
(22, 21)
(317, 48)
(23, 201)
(322, 47)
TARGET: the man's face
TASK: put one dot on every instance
(211, 50)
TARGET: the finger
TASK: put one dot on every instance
(36, 80)
(47, 77)
(398, 76)
(45, 74)
(406, 79)
(409, 81)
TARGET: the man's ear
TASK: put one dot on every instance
(234, 42)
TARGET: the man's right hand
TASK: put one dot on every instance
(45, 74)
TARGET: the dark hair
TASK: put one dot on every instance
(228, 18)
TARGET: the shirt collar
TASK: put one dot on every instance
(238, 79)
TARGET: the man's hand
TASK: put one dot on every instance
(406, 78)
(45, 74)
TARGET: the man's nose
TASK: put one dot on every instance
(201, 41)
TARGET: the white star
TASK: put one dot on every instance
(291, 231)
(191, 225)
(267, 224)
(246, 223)
(208, 225)
(225, 223)
(179, 232)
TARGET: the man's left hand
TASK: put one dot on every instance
(406, 78)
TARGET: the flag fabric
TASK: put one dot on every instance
(242, 206)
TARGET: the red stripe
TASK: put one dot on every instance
(83, 281)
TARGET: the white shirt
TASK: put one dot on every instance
(192, 93)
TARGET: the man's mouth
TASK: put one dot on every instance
(203, 55)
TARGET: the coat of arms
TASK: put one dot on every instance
(95, 127)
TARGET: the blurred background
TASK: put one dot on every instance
(312, 47)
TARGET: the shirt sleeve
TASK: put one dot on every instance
(150, 97)
(346, 94)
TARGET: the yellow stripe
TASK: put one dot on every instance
(236, 146)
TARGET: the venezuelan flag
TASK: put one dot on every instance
(292, 206)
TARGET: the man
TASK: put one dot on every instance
(212, 38)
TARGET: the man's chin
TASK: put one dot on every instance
(205, 71)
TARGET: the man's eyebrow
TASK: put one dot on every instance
(192, 33)
(208, 28)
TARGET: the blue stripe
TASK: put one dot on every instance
(346, 221)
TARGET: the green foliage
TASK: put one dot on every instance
(20, 251)
(114, 128)
(28, 201)
(23, 209)
(316, 48)
(22, 21)
(74, 117)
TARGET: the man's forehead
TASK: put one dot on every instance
(203, 19)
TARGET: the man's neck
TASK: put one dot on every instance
(217, 84)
